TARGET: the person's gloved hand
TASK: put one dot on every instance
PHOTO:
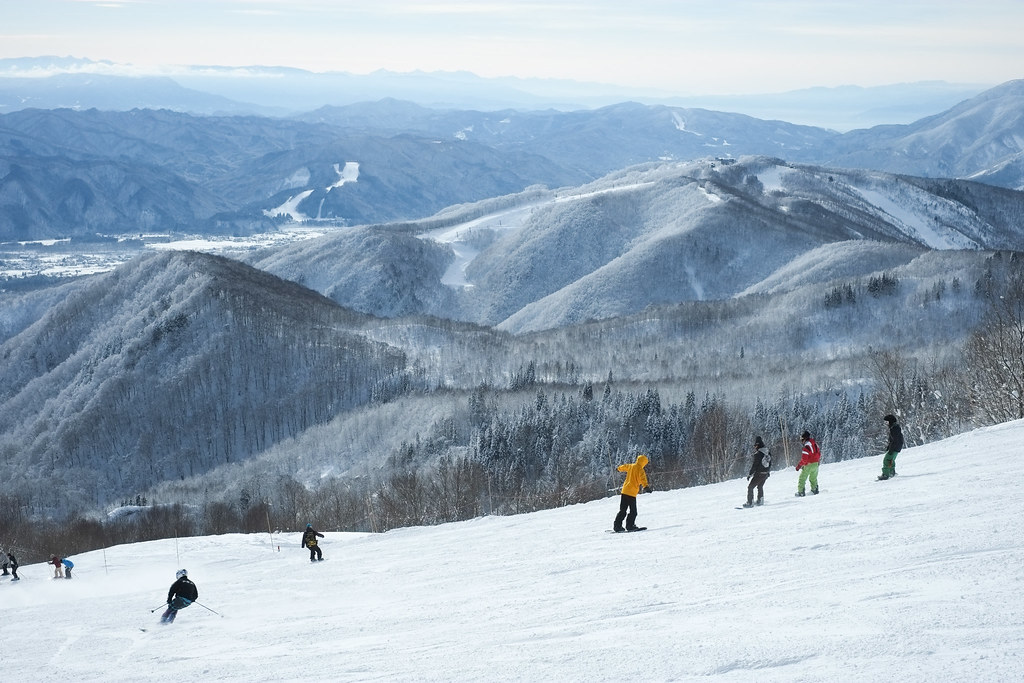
(648, 489)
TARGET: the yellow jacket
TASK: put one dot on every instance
(635, 476)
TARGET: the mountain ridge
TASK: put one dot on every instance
(233, 173)
(708, 230)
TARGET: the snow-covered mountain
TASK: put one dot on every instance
(163, 368)
(981, 138)
(913, 579)
(651, 235)
(187, 366)
(79, 173)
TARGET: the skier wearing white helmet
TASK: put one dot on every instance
(181, 594)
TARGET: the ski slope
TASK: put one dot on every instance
(915, 579)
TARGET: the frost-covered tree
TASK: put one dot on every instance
(995, 352)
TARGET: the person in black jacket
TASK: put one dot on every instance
(892, 448)
(309, 541)
(181, 594)
(12, 561)
(760, 470)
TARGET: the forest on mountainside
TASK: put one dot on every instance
(550, 437)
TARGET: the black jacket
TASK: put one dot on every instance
(895, 444)
(762, 461)
(309, 538)
(184, 588)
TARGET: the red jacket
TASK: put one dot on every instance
(810, 453)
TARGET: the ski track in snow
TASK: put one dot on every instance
(915, 579)
(349, 173)
(929, 236)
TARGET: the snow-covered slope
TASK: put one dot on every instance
(914, 579)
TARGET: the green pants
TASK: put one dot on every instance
(889, 464)
(808, 471)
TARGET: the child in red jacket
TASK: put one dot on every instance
(810, 457)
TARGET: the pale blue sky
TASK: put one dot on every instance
(682, 46)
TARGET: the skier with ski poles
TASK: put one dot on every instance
(181, 594)
(13, 562)
(636, 479)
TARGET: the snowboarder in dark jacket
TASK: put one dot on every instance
(760, 470)
(181, 594)
(309, 541)
(892, 448)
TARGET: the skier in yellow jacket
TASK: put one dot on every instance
(636, 479)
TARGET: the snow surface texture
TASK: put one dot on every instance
(914, 579)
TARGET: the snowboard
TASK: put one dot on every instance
(639, 528)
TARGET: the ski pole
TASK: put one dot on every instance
(158, 607)
(196, 602)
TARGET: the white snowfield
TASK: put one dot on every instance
(914, 579)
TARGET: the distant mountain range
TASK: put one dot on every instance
(65, 82)
(77, 173)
